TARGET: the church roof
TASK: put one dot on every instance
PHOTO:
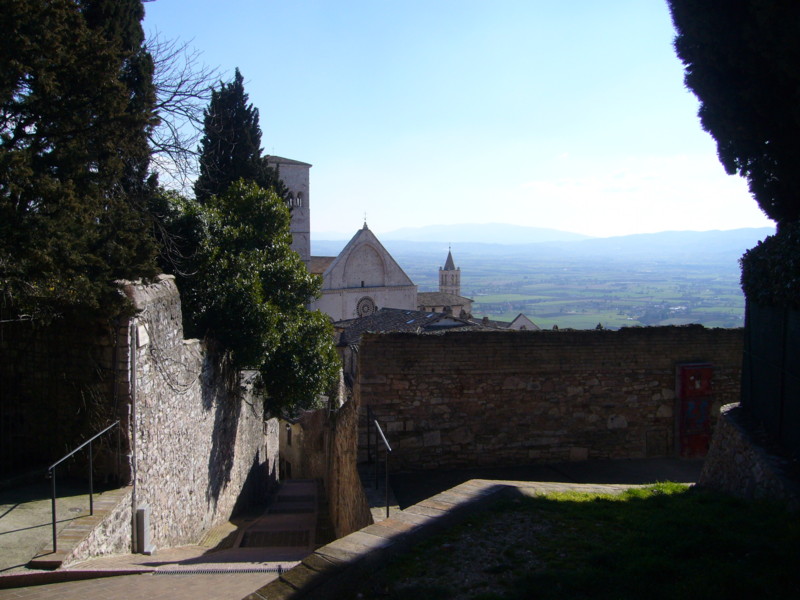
(440, 299)
(280, 160)
(521, 321)
(395, 319)
(318, 264)
(449, 265)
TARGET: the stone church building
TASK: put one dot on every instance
(364, 277)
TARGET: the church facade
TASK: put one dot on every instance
(362, 279)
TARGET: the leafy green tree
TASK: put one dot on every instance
(230, 149)
(248, 294)
(75, 107)
(741, 59)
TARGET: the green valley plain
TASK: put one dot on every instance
(646, 279)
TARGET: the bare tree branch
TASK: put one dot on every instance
(183, 89)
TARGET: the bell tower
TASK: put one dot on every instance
(294, 175)
(450, 276)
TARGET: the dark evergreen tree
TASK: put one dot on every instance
(248, 291)
(75, 107)
(230, 149)
(741, 59)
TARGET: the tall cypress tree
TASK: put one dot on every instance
(76, 102)
(741, 59)
(231, 145)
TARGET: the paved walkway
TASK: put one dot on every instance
(232, 562)
(229, 562)
(26, 519)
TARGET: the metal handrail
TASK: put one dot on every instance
(51, 474)
(379, 430)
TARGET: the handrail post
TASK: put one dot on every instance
(53, 506)
(91, 482)
(51, 470)
(386, 469)
(369, 434)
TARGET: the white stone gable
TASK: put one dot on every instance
(364, 262)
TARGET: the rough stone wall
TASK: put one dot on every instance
(329, 448)
(200, 448)
(738, 464)
(461, 399)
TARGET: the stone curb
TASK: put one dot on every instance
(47, 577)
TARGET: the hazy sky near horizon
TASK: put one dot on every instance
(570, 115)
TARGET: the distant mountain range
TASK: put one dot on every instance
(486, 233)
(497, 239)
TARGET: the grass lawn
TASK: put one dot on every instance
(663, 541)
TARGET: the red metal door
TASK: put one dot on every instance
(695, 395)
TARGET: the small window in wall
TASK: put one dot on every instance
(299, 201)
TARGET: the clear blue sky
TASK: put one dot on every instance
(570, 115)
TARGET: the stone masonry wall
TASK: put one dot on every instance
(329, 453)
(200, 448)
(738, 464)
(195, 448)
(462, 399)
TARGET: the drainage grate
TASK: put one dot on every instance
(243, 571)
(267, 539)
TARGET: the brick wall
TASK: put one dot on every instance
(461, 399)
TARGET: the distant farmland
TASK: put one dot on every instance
(582, 294)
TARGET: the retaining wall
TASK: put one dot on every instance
(738, 462)
(201, 447)
(328, 448)
(460, 399)
(195, 446)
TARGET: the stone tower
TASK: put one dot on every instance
(450, 276)
(295, 176)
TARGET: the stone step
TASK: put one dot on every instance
(71, 536)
